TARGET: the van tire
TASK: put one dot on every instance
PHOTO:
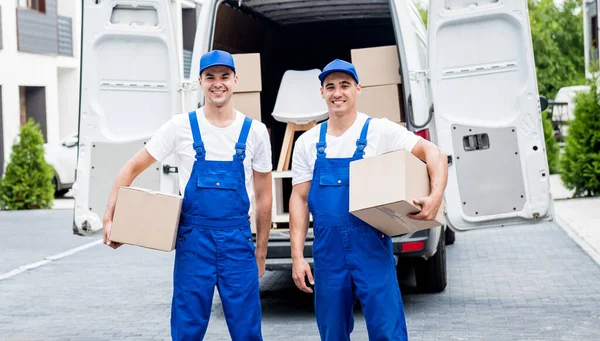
(450, 236)
(430, 274)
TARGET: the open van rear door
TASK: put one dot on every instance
(130, 76)
(411, 40)
(487, 112)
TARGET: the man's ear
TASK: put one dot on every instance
(321, 88)
(358, 88)
(200, 80)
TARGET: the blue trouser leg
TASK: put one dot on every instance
(381, 304)
(194, 281)
(374, 275)
(238, 283)
(334, 295)
(334, 301)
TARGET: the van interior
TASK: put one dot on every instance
(298, 35)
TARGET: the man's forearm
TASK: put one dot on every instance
(263, 224)
(437, 166)
(298, 225)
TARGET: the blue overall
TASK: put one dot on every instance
(351, 258)
(215, 247)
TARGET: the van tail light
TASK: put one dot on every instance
(424, 134)
(412, 246)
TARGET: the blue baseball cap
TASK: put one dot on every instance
(216, 57)
(338, 66)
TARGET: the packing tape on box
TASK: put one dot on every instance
(405, 221)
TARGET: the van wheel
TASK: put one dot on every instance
(431, 273)
(57, 191)
(60, 193)
(450, 236)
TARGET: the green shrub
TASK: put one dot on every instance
(552, 148)
(580, 163)
(27, 183)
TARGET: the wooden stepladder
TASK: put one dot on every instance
(288, 142)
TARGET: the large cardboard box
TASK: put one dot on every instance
(247, 67)
(382, 189)
(248, 103)
(381, 102)
(146, 218)
(377, 65)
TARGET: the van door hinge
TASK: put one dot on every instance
(419, 75)
(187, 86)
(170, 169)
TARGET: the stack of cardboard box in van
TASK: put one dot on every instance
(246, 96)
(378, 71)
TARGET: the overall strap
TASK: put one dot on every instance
(322, 144)
(240, 146)
(198, 144)
(361, 143)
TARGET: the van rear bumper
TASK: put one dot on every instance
(279, 251)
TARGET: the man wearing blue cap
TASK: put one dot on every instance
(351, 258)
(224, 156)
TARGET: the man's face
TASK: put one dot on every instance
(217, 83)
(340, 91)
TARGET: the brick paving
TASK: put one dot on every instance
(512, 283)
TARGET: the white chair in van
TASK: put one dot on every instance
(299, 104)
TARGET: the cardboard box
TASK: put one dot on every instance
(247, 67)
(146, 218)
(382, 189)
(248, 103)
(377, 65)
(381, 101)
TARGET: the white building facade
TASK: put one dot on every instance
(39, 68)
(590, 33)
(40, 43)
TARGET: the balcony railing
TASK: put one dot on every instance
(44, 32)
(187, 63)
(65, 36)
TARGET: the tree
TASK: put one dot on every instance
(557, 37)
(27, 183)
(580, 163)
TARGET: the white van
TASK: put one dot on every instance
(474, 65)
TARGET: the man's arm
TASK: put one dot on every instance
(263, 191)
(437, 166)
(298, 228)
(132, 168)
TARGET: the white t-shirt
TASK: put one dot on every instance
(383, 136)
(175, 137)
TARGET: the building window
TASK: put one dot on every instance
(34, 5)
(33, 105)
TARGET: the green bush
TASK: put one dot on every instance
(580, 163)
(27, 183)
(552, 149)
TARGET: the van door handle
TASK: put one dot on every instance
(167, 169)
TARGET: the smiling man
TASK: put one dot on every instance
(351, 258)
(224, 156)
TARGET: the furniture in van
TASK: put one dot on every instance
(299, 104)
